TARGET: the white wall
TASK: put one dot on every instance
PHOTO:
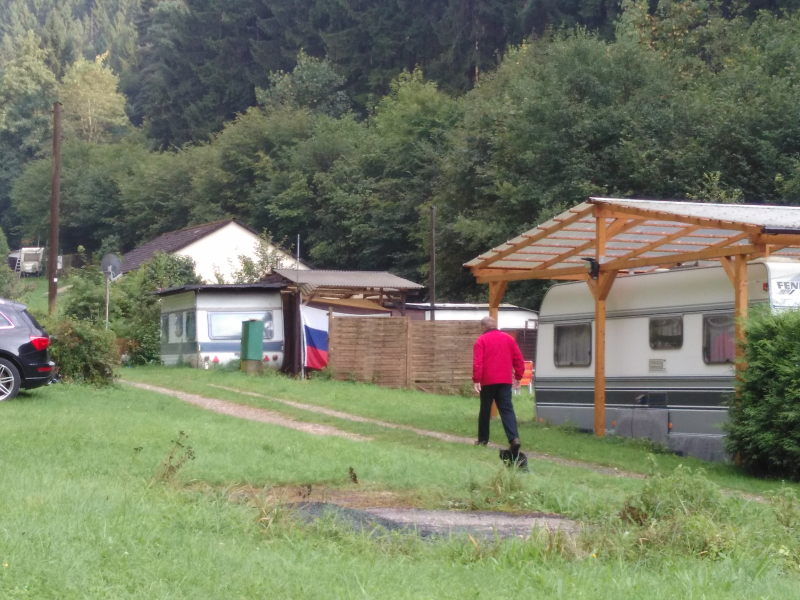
(506, 319)
(219, 252)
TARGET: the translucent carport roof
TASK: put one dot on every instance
(631, 236)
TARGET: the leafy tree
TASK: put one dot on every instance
(312, 84)
(268, 257)
(133, 309)
(8, 280)
(94, 111)
(27, 93)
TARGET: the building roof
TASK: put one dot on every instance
(373, 280)
(629, 236)
(172, 241)
(222, 287)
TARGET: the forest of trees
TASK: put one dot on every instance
(344, 121)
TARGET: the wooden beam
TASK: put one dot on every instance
(489, 275)
(657, 215)
(786, 239)
(710, 253)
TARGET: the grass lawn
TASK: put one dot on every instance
(89, 511)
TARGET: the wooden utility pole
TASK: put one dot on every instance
(55, 201)
(432, 274)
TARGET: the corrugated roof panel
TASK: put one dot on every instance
(781, 217)
(348, 279)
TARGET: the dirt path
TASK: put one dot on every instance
(251, 413)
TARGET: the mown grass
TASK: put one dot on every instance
(451, 414)
(88, 510)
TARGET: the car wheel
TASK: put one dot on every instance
(9, 380)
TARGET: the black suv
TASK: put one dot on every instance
(24, 362)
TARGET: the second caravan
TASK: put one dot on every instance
(669, 352)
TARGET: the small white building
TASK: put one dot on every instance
(216, 249)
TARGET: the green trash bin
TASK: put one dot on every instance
(252, 345)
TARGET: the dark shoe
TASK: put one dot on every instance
(480, 442)
(514, 447)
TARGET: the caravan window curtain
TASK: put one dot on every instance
(573, 345)
(719, 339)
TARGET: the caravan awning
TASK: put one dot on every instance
(633, 236)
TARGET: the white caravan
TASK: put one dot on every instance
(669, 352)
(201, 325)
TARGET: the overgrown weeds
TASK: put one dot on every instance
(179, 454)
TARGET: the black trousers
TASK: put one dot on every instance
(500, 393)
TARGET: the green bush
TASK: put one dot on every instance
(84, 352)
(134, 312)
(764, 425)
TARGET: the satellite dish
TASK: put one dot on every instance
(111, 265)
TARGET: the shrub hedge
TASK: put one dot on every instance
(764, 425)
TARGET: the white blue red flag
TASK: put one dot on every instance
(315, 337)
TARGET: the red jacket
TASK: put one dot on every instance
(494, 356)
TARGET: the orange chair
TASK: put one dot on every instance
(527, 376)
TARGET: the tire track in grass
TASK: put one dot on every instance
(243, 411)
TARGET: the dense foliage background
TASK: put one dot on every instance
(344, 121)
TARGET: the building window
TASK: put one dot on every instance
(228, 325)
(666, 333)
(573, 345)
(719, 339)
(165, 328)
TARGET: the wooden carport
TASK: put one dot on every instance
(603, 238)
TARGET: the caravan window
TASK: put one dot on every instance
(191, 325)
(177, 325)
(666, 333)
(573, 345)
(228, 325)
(718, 339)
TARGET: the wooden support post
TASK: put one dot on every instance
(497, 289)
(736, 269)
(600, 289)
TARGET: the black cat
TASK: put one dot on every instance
(520, 461)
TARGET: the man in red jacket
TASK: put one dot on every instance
(495, 359)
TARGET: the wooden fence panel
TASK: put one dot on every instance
(440, 354)
(434, 356)
(369, 349)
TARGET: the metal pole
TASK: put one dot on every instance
(55, 199)
(432, 274)
(108, 294)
